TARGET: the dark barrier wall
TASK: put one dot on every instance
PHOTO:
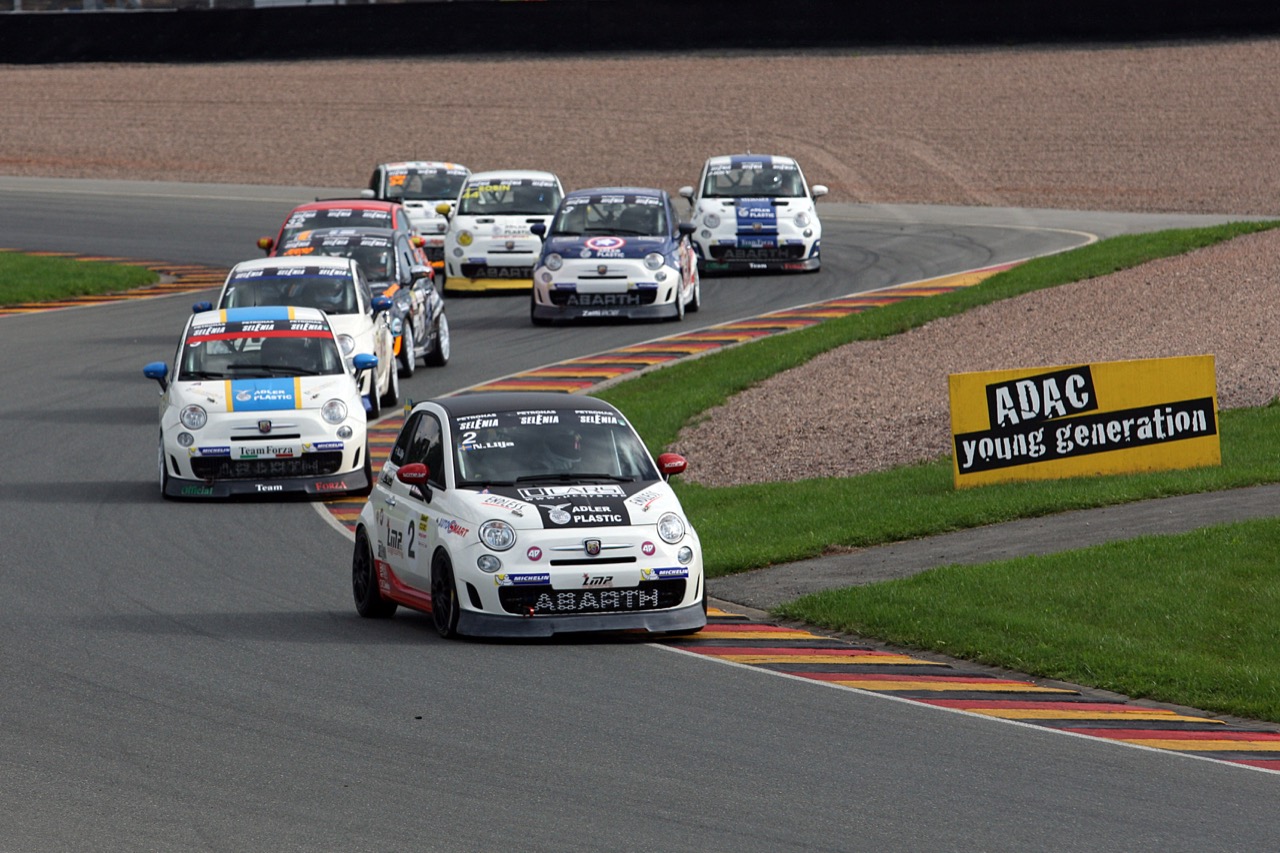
(577, 26)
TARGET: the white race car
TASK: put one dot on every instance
(421, 186)
(261, 401)
(755, 212)
(337, 287)
(527, 514)
(615, 252)
(489, 245)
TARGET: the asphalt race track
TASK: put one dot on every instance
(179, 676)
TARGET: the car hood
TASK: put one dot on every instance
(606, 247)
(260, 395)
(556, 506)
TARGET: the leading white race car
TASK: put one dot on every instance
(489, 245)
(527, 514)
(755, 212)
(260, 401)
(337, 287)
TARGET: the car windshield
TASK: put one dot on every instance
(438, 184)
(510, 198)
(556, 445)
(753, 180)
(610, 214)
(258, 349)
(373, 254)
(335, 217)
(331, 290)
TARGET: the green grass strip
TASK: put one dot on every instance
(1189, 619)
(27, 278)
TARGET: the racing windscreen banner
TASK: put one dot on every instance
(1114, 417)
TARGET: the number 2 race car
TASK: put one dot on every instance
(527, 514)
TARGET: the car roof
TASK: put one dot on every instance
(356, 203)
(727, 159)
(652, 192)
(259, 312)
(525, 174)
(424, 164)
(291, 261)
(505, 401)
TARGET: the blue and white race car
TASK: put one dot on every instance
(615, 252)
(260, 401)
(755, 212)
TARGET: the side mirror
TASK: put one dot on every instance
(539, 228)
(417, 272)
(415, 474)
(266, 244)
(417, 241)
(381, 303)
(686, 192)
(444, 208)
(201, 307)
(367, 193)
(364, 361)
(671, 464)
(687, 228)
(818, 190)
(159, 371)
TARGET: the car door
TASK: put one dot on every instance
(413, 512)
(383, 340)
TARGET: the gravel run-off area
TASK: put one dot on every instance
(1186, 127)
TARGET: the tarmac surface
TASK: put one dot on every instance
(764, 589)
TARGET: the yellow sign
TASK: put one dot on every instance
(1113, 417)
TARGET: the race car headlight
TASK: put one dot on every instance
(334, 412)
(671, 528)
(488, 563)
(553, 262)
(397, 325)
(193, 417)
(685, 555)
(497, 535)
(802, 219)
(654, 261)
(711, 220)
(465, 238)
(347, 343)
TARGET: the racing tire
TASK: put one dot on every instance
(392, 396)
(444, 596)
(375, 403)
(534, 318)
(439, 355)
(364, 582)
(408, 358)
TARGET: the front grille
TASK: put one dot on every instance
(486, 271)
(308, 465)
(768, 253)
(571, 299)
(434, 253)
(546, 601)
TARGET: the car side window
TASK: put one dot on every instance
(427, 447)
(403, 441)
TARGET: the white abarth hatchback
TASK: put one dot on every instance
(337, 286)
(755, 212)
(421, 186)
(260, 401)
(490, 244)
(527, 514)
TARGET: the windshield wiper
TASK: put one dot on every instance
(566, 476)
